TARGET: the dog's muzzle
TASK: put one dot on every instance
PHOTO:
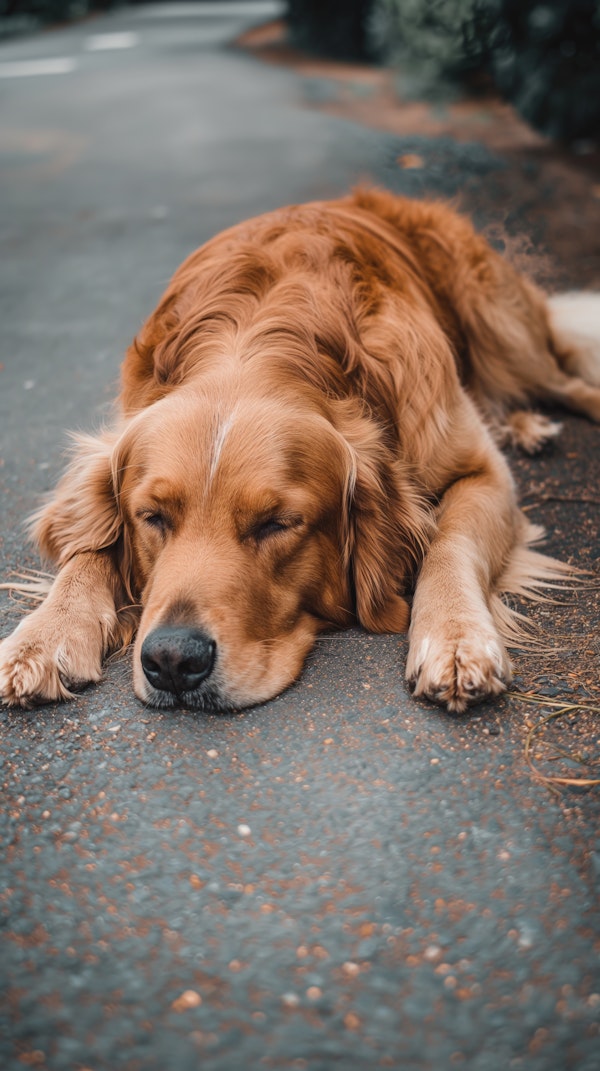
(177, 659)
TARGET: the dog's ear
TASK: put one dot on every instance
(149, 368)
(82, 513)
(387, 528)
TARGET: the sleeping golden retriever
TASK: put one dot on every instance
(308, 438)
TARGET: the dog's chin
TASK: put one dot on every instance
(205, 701)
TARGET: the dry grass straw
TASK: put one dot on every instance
(561, 708)
(28, 589)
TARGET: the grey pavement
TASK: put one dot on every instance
(344, 877)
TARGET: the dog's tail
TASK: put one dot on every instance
(576, 319)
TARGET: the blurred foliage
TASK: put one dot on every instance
(444, 37)
(47, 11)
(544, 57)
(335, 28)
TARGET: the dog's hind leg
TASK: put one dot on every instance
(529, 431)
(574, 393)
(575, 318)
(574, 380)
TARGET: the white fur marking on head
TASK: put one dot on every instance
(223, 429)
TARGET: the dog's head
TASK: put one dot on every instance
(244, 522)
(234, 510)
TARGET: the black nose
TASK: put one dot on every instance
(177, 659)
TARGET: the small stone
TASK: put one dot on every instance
(188, 999)
(432, 952)
(290, 1000)
(411, 161)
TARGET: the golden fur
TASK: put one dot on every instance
(308, 436)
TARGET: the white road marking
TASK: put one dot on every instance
(258, 9)
(106, 42)
(32, 68)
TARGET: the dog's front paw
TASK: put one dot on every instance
(458, 667)
(38, 665)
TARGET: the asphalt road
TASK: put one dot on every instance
(344, 877)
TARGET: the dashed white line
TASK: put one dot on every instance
(259, 9)
(106, 42)
(31, 68)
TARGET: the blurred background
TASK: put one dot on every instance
(543, 57)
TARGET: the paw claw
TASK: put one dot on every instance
(41, 669)
(459, 671)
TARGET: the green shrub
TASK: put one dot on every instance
(336, 28)
(48, 11)
(543, 56)
(445, 37)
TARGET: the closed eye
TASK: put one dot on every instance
(154, 519)
(274, 526)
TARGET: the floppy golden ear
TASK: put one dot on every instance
(146, 371)
(82, 513)
(376, 553)
(387, 529)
